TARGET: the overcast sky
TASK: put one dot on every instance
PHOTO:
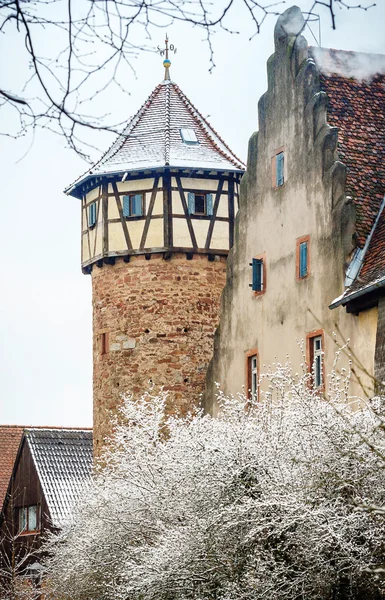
(45, 306)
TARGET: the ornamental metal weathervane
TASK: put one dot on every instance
(164, 52)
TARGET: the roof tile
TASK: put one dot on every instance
(357, 108)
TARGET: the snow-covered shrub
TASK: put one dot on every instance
(280, 499)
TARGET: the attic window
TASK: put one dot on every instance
(188, 136)
(28, 519)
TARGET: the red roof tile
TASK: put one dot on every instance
(357, 108)
(10, 437)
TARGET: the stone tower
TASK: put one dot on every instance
(157, 224)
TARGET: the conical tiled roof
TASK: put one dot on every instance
(153, 139)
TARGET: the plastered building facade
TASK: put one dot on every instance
(307, 266)
(158, 215)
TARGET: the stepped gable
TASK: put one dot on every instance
(152, 139)
(357, 108)
(63, 460)
(10, 438)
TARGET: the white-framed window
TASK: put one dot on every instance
(252, 374)
(254, 377)
(188, 135)
(316, 352)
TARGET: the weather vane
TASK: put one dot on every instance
(164, 52)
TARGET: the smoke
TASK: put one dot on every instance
(357, 65)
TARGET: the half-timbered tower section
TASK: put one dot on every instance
(307, 266)
(157, 224)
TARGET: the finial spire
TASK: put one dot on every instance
(166, 63)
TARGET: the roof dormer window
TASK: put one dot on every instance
(188, 136)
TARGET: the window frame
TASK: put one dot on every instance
(26, 510)
(193, 142)
(274, 181)
(249, 356)
(204, 193)
(310, 357)
(92, 211)
(262, 258)
(130, 196)
(299, 241)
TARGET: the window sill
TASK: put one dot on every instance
(27, 533)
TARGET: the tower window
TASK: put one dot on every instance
(315, 349)
(258, 272)
(92, 214)
(302, 257)
(200, 204)
(188, 136)
(252, 374)
(133, 205)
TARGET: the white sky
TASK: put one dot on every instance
(45, 306)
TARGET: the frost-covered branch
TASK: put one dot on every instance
(71, 52)
(278, 500)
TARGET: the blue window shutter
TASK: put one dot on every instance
(92, 214)
(191, 203)
(209, 205)
(137, 205)
(257, 285)
(303, 259)
(126, 206)
(279, 168)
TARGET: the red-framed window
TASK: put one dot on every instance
(315, 355)
(252, 374)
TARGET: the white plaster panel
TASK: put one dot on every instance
(220, 238)
(181, 233)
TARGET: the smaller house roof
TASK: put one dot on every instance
(10, 437)
(63, 460)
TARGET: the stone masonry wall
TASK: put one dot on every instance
(158, 319)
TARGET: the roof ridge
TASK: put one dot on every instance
(167, 123)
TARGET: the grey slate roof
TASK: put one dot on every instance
(63, 460)
(152, 139)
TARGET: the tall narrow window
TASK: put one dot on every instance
(104, 343)
(133, 205)
(279, 162)
(302, 257)
(316, 357)
(252, 374)
(278, 168)
(92, 214)
(258, 270)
